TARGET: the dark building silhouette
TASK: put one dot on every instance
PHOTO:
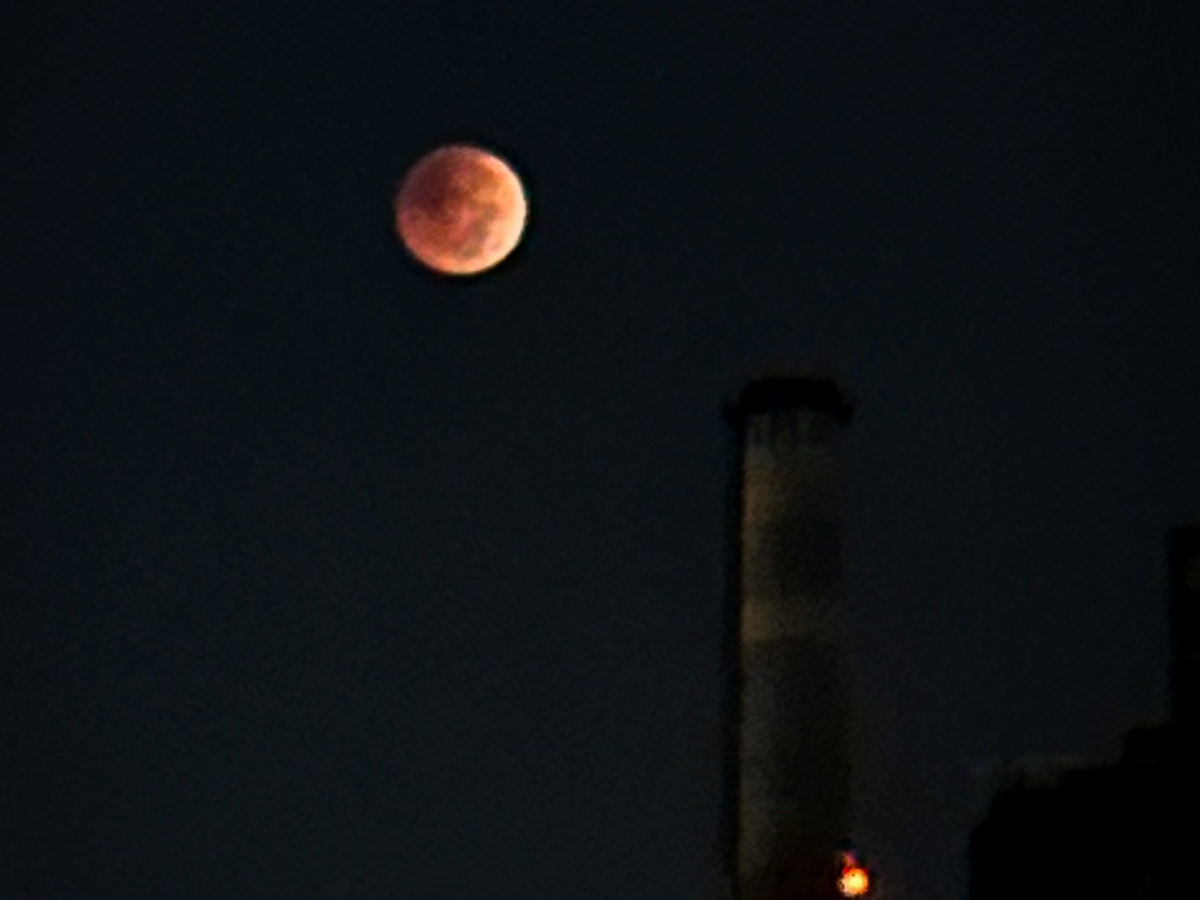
(788, 760)
(1126, 830)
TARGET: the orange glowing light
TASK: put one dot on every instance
(855, 882)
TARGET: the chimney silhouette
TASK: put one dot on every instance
(788, 761)
(1183, 610)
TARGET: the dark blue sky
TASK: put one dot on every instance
(327, 579)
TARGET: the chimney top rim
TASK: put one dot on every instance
(799, 390)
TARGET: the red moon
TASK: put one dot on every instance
(460, 210)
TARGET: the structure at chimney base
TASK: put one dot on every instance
(789, 773)
(1120, 829)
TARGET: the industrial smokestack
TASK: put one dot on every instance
(789, 775)
(1183, 562)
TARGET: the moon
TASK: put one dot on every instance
(460, 210)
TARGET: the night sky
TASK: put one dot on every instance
(326, 578)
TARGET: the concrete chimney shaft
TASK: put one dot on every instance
(1183, 561)
(792, 783)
